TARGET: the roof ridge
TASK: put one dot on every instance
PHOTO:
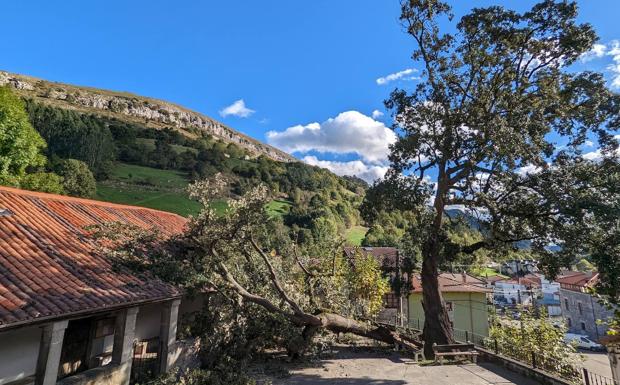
(67, 198)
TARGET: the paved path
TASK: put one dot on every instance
(368, 368)
(597, 363)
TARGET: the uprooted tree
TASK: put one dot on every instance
(250, 261)
(496, 99)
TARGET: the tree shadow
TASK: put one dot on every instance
(312, 379)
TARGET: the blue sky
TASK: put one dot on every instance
(292, 63)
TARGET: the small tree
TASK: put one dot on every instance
(78, 180)
(21, 148)
(491, 97)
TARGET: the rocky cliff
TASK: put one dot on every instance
(138, 109)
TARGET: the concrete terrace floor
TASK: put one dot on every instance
(358, 367)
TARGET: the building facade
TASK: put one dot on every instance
(466, 300)
(580, 309)
(67, 314)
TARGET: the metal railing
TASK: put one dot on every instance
(590, 378)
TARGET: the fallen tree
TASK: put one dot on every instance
(250, 259)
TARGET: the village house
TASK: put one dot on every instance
(67, 314)
(466, 299)
(389, 259)
(579, 308)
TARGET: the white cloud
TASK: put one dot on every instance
(369, 173)
(614, 52)
(597, 155)
(588, 143)
(405, 74)
(237, 109)
(349, 132)
(529, 169)
(376, 114)
(597, 51)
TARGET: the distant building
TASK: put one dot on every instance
(519, 267)
(529, 290)
(67, 315)
(580, 309)
(466, 302)
(511, 292)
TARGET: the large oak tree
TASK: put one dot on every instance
(495, 99)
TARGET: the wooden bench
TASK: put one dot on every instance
(455, 350)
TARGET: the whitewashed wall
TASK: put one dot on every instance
(19, 350)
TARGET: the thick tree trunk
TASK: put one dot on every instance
(437, 328)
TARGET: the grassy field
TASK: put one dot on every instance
(355, 235)
(160, 200)
(132, 174)
(150, 144)
(162, 190)
(278, 207)
(487, 272)
(148, 187)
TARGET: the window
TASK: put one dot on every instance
(104, 327)
(583, 326)
(448, 306)
(580, 308)
(390, 301)
(566, 303)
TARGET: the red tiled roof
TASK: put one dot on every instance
(577, 278)
(449, 284)
(48, 266)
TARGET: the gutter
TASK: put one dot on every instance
(82, 313)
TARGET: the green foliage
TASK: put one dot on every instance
(73, 135)
(355, 235)
(368, 284)
(493, 94)
(539, 337)
(268, 285)
(584, 265)
(20, 145)
(42, 181)
(77, 179)
(21, 159)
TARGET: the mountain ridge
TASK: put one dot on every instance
(152, 112)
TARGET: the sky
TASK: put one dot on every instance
(309, 77)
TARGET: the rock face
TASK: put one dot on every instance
(123, 106)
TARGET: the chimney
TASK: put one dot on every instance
(464, 275)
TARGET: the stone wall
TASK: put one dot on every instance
(106, 375)
(521, 368)
(591, 311)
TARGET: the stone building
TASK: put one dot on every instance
(67, 314)
(579, 308)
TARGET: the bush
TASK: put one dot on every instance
(78, 180)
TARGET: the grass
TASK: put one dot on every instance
(278, 207)
(355, 235)
(162, 190)
(140, 175)
(150, 144)
(176, 202)
(487, 272)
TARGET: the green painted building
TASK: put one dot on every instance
(466, 301)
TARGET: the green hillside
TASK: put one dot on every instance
(141, 165)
